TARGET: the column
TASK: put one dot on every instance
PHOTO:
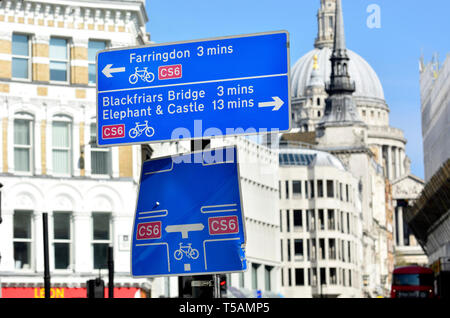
(397, 161)
(7, 235)
(400, 226)
(82, 250)
(38, 244)
(389, 163)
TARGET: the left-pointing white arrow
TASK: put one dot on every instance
(108, 70)
(276, 103)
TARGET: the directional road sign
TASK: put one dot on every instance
(214, 87)
(189, 218)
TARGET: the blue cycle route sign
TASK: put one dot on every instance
(189, 218)
(196, 89)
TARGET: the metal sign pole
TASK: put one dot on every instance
(203, 286)
(110, 272)
(46, 261)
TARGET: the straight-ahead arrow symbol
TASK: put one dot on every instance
(276, 103)
(108, 70)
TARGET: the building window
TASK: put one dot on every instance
(59, 60)
(332, 249)
(20, 56)
(23, 142)
(100, 157)
(61, 145)
(311, 188)
(322, 249)
(299, 277)
(23, 237)
(320, 188)
(288, 223)
(62, 239)
(333, 276)
(298, 249)
(289, 277)
(255, 276)
(330, 189)
(298, 221)
(287, 189)
(314, 277)
(267, 271)
(323, 276)
(296, 188)
(321, 220)
(288, 250)
(101, 225)
(306, 190)
(331, 221)
(93, 47)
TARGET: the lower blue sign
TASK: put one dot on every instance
(189, 218)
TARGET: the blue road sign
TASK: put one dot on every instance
(189, 218)
(196, 89)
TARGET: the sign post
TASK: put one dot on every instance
(189, 219)
(203, 230)
(235, 85)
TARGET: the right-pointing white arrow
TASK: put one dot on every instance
(276, 103)
(108, 70)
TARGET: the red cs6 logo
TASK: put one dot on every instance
(169, 71)
(223, 225)
(113, 131)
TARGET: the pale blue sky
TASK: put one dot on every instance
(408, 28)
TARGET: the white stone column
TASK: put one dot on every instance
(7, 235)
(397, 162)
(81, 240)
(37, 254)
(402, 162)
(400, 226)
(389, 163)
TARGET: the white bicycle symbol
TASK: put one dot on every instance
(186, 250)
(140, 128)
(143, 75)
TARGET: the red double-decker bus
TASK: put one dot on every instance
(412, 282)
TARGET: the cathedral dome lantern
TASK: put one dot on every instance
(368, 91)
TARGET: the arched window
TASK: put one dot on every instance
(62, 144)
(23, 142)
